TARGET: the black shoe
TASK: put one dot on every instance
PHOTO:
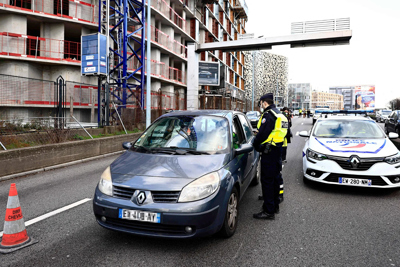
(264, 216)
(260, 197)
(280, 199)
(277, 210)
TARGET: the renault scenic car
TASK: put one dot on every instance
(182, 178)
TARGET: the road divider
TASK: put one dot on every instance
(55, 212)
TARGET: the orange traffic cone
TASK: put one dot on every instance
(14, 234)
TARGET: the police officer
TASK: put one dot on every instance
(269, 140)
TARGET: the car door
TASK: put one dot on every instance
(239, 161)
(251, 161)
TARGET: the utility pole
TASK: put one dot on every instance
(252, 93)
(148, 67)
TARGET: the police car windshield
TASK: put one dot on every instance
(347, 129)
(192, 133)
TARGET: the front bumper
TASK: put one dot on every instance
(204, 217)
(329, 172)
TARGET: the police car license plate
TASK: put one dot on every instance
(354, 181)
(138, 215)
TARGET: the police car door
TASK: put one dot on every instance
(242, 159)
(251, 159)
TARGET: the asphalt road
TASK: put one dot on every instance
(318, 225)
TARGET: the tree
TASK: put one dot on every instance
(394, 104)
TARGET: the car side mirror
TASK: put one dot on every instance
(244, 148)
(304, 134)
(126, 145)
(393, 135)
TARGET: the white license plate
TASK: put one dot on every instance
(138, 215)
(354, 181)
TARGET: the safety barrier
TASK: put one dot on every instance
(167, 11)
(164, 40)
(71, 9)
(21, 45)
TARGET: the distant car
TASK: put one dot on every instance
(183, 178)
(350, 150)
(296, 112)
(382, 115)
(392, 123)
(254, 117)
(205, 74)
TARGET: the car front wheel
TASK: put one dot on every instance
(231, 216)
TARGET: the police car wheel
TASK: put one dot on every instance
(257, 176)
(231, 215)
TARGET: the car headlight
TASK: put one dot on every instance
(393, 159)
(200, 188)
(105, 184)
(315, 155)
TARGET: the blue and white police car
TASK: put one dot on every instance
(350, 150)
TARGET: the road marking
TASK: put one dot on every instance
(297, 133)
(47, 215)
(237, 252)
(302, 123)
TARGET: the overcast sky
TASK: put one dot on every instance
(372, 58)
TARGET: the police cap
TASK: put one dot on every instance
(267, 96)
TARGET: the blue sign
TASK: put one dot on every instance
(94, 54)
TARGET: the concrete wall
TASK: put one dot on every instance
(13, 23)
(32, 158)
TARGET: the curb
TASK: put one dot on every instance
(12, 176)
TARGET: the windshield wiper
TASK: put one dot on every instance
(190, 151)
(167, 150)
(144, 148)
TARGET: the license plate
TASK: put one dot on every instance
(138, 215)
(354, 181)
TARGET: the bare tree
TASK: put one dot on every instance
(394, 104)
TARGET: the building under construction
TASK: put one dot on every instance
(40, 40)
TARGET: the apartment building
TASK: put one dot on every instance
(334, 101)
(40, 40)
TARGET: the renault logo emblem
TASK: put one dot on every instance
(141, 197)
(354, 161)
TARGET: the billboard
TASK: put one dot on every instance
(209, 73)
(94, 54)
(364, 97)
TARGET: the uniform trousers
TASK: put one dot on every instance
(271, 166)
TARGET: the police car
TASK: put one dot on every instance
(350, 150)
(318, 113)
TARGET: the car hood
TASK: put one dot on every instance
(341, 147)
(140, 170)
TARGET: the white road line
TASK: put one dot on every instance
(47, 215)
(297, 133)
(302, 123)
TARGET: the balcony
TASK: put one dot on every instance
(170, 14)
(35, 47)
(69, 9)
(241, 9)
(164, 40)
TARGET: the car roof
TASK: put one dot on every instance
(209, 112)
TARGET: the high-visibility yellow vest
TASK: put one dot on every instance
(279, 132)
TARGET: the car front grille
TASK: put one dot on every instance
(158, 196)
(364, 164)
(149, 227)
(376, 180)
(123, 192)
(165, 196)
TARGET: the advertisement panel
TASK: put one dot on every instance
(209, 73)
(364, 96)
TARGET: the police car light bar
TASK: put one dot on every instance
(344, 111)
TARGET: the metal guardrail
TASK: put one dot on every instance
(320, 26)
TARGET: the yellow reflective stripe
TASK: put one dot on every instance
(281, 192)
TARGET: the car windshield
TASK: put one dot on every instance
(192, 133)
(348, 129)
(386, 112)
